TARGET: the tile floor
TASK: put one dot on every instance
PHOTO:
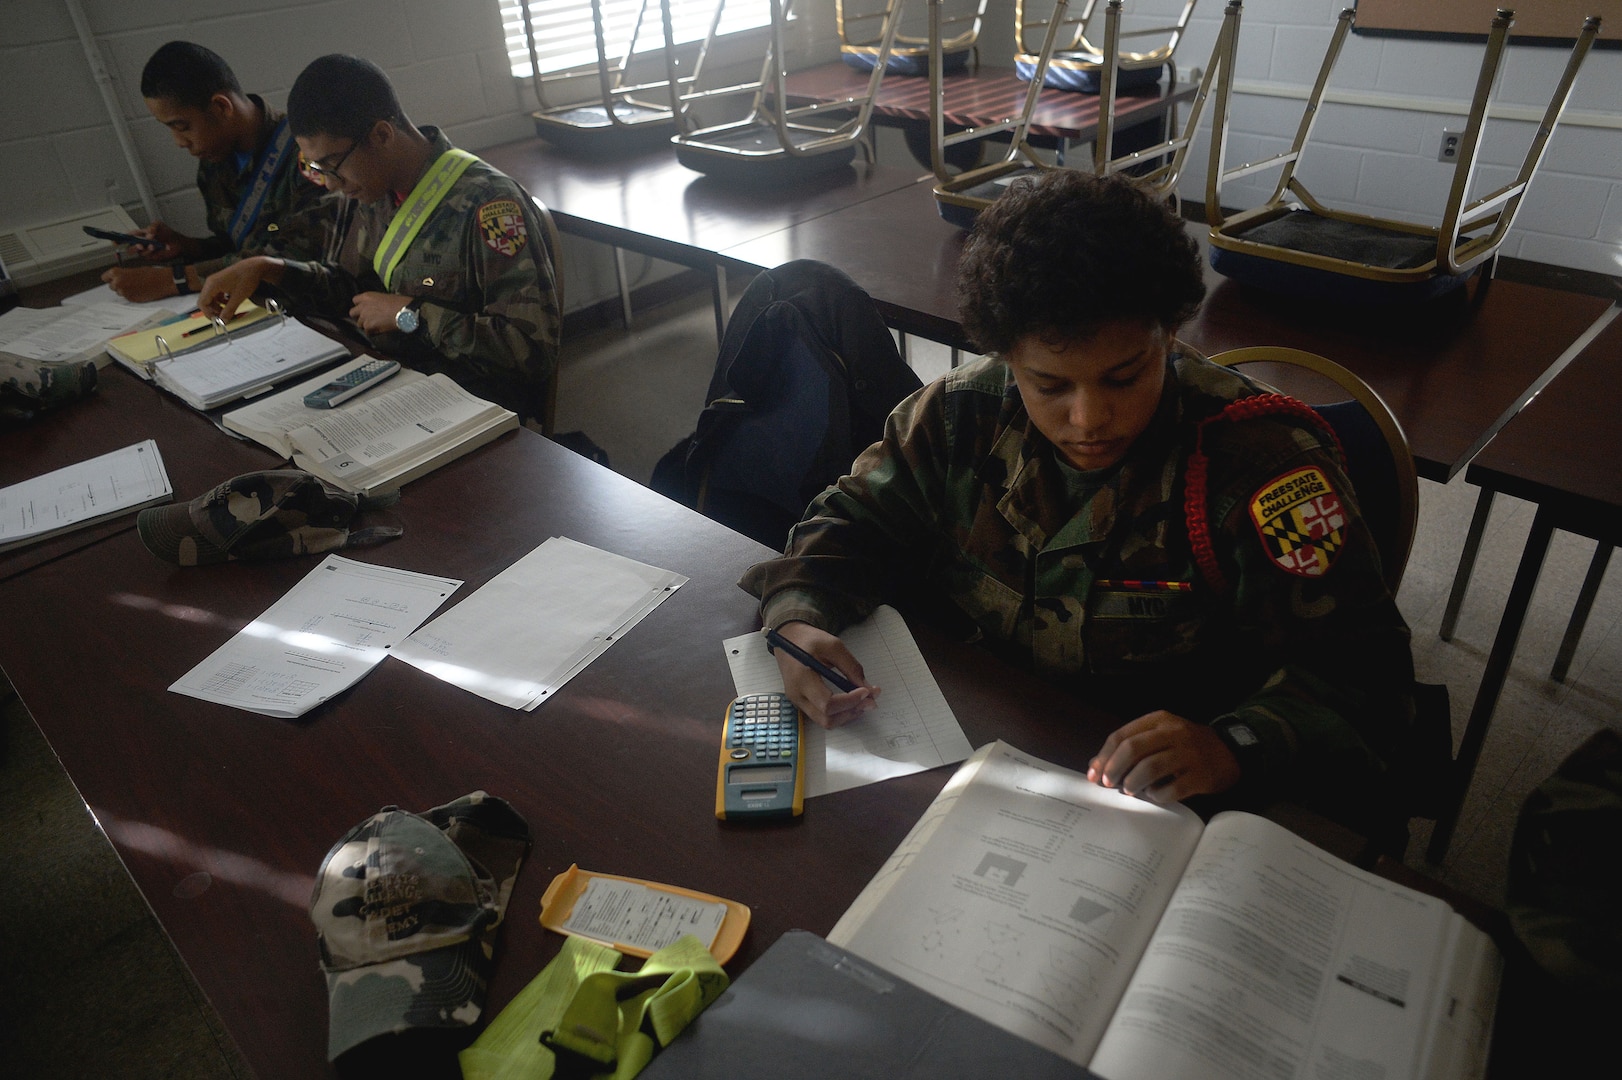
(90, 987)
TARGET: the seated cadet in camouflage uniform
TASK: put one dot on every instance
(254, 195)
(440, 257)
(1105, 507)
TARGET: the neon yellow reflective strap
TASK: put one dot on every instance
(415, 211)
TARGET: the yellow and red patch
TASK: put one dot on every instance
(1301, 521)
(501, 223)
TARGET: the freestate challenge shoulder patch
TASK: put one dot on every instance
(1300, 520)
(501, 223)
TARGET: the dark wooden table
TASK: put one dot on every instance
(223, 817)
(1561, 453)
(895, 246)
(978, 98)
(650, 203)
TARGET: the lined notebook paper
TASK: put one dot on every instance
(911, 730)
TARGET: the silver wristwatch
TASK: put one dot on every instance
(406, 320)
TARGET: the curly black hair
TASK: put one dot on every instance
(342, 96)
(1065, 252)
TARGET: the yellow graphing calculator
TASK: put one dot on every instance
(762, 772)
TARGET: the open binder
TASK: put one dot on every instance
(234, 365)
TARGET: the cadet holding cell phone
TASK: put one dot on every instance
(254, 198)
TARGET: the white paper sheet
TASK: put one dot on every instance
(318, 640)
(80, 331)
(77, 495)
(103, 294)
(911, 730)
(538, 622)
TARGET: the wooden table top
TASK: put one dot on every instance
(223, 817)
(1562, 449)
(649, 202)
(986, 96)
(895, 246)
(1452, 373)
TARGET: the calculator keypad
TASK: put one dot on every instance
(765, 724)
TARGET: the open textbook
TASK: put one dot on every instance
(1134, 940)
(393, 433)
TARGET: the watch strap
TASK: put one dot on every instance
(182, 285)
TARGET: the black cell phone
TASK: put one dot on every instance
(119, 237)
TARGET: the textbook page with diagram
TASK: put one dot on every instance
(403, 428)
(1134, 940)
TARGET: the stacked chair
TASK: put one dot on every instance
(910, 54)
(1296, 245)
(776, 142)
(623, 114)
(1079, 65)
(960, 198)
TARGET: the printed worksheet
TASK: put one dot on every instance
(912, 729)
(496, 645)
(325, 635)
(78, 495)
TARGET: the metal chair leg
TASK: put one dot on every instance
(1467, 563)
(1492, 679)
(1579, 613)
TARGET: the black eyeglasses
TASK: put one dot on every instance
(328, 172)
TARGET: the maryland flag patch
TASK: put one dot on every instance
(501, 223)
(1301, 521)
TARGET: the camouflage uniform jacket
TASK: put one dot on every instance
(489, 316)
(1302, 676)
(294, 220)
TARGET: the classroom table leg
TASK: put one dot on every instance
(1467, 563)
(720, 293)
(1492, 678)
(624, 285)
(1579, 614)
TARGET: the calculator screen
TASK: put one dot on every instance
(760, 774)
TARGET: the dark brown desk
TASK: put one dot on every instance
(1560, 452)
(123, 411)
(223, 817)
(978, 98)
(1453, 373)
(650, 203)
(895, 246)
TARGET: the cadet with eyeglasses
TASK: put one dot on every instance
(438, 257)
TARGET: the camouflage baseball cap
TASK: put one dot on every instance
(406, 909)
(261, 515)
(28, 387)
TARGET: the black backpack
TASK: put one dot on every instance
(806, 375)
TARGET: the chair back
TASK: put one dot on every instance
(1379, 463)
(806, 376)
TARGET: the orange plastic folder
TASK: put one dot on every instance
(640, 917)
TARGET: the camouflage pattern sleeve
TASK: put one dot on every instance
(512, 335)
(1307, 586)
(847, 552)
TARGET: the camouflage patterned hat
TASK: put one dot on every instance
(406, 908)
(262, 515)
(29, 387)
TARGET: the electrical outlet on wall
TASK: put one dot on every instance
(1451, 141)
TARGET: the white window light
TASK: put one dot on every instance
(565, 38)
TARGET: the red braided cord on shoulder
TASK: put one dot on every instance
(1195, 476)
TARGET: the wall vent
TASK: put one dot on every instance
(53, 249)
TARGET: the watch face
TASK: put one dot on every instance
(406, 319)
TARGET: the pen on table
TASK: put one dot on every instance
(774, 640)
